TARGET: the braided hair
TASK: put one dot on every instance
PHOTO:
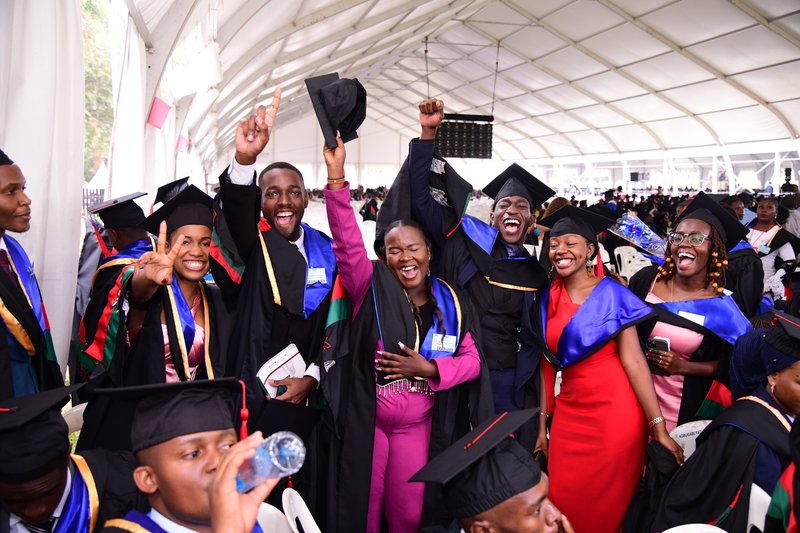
(715, 268)
(428, 281)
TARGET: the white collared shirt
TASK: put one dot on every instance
(15, 523)
(166, 524)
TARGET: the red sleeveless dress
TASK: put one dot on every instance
(598, 435)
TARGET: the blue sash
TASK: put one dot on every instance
(479, 232)
(133, 251)
(609, 309)
(77, 512)
(484, 236)
(319, 252)
(743, 245)
(145, 522)
(183, 312)
(447, 302)
(24, 269)
(721, 316)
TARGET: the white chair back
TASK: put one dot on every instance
(272, 520)
(74, 417)
(297, 511)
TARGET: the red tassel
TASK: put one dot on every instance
(100, 241)
(599, 271)
(244, 414)
(289, 481)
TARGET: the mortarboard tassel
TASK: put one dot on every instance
(244, 414)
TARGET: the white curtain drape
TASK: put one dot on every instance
(41, 129)
(126, 162)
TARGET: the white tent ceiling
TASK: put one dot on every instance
(574, 77)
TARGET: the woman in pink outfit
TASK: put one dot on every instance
(411, 356)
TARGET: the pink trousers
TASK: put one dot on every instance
(402, 438)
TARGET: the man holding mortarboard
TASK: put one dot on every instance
(42, 486)
(122, 219)
(284, 290)
(487, 261)
(491, 484)
(180, 435)
(28, 362)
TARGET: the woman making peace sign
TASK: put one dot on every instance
(166, 324)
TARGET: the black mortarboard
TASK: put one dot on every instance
(485, 467)
(702, 207)
(191, 206)
(340, 105)
(167, 192)
(165, 411)
(516, 181)
(4, 159)
(34, 438)
(571, 219)
(120, 212)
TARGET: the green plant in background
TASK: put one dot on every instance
(99, 109)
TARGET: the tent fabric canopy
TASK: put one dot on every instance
(574, 78)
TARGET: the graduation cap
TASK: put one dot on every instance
(191, 206)
(340, 105)
(485, 467)
(571, 219)
(167, 192)
(4, 159)
(120, 212)
(34, 438)
(516, 181)
(165, 411)
(702, 207)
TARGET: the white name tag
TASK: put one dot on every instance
(437, 166)
(694, 317)
(763, 249)
(443, 343)
(316, 275)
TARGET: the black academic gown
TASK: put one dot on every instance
(111, 479)
(745, 279)
(712, 348)
(48, 373)
(106, 423)
(731, 453)
(104, 279)
(264, 327)
(350, 391)
(502, 292)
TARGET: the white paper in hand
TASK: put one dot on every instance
(288, 363)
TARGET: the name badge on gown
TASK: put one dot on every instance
(763, 249)
(316, 275)
(443, 343)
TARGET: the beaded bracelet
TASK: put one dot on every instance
(654, 422)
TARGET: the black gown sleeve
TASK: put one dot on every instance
(423, 207)
(241, 205)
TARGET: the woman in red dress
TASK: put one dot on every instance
(607, 401)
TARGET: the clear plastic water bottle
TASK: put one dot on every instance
(280, 455)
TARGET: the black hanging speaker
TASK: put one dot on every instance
(467, 136)
(634, 176)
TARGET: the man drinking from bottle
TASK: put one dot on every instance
(180, 435)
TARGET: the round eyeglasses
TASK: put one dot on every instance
(694, 238)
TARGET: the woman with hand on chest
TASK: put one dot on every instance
(697, 323)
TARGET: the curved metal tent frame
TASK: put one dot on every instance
(600, 79)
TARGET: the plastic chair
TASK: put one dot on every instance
(297, 511)
(271, 519)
